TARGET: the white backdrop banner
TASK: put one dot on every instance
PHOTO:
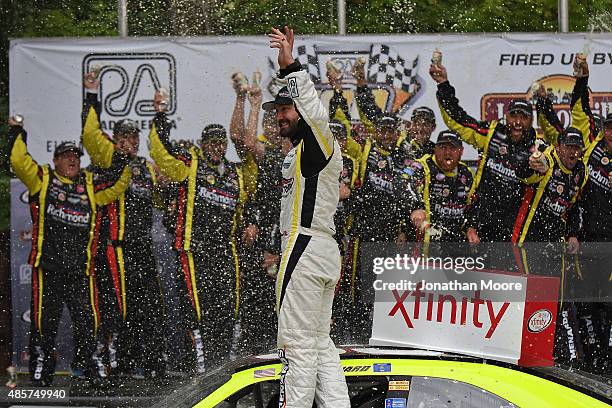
(486, 70)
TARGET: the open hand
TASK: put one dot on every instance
(284, 42)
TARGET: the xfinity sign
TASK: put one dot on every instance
(516, 326)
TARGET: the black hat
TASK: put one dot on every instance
(67, 147)
(448, 136)
(608, 119)
(214, 131)
(125, 127)
(283, 97)
(571, 136)
(388, 120)
(598, 120)
(521, 105)
(425, 113)
(338, 127)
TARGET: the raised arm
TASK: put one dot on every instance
(251, 142)
(98, 145)
(313, 125)
(547, 118)
(582, 116)
(471, 130)
(175, 168)
(25, 167)
(237, 129)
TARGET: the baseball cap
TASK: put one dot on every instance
(598, 119)
(283, 97)
(125, 127)
(425, 113)
(571, 136)
(214, 131)
(337, 128)
(67, 147)
(520, 105)
(388, 120)
(608, 119)
(448, 136)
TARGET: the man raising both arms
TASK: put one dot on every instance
(310, 262)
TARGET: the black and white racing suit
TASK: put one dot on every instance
(310, 262)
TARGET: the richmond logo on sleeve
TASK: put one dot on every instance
(126, 83)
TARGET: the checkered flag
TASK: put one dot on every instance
(387, 66)
(309, 60)
(273, 85)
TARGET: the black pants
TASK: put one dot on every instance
(210, 290)
(257, 304)
(51, 290)
(140, 343)
(595, 310)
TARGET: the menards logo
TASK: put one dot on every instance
(493, 106)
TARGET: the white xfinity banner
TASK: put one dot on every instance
(503, 316)
(486, 70)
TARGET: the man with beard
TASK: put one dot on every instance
(557, 177)
(548, 214)
(260, 238)
(211, 196)
(442, 183)
(596, 229)
(131, 294)
(422, 125)
(64, 204)
(310, 262)
(497, 190)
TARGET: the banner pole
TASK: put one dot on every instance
(563, 14)
(122, 18)
(341, 17)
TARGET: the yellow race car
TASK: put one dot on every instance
(404, 378)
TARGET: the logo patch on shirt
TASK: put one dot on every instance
(605, 161)
(293, 88)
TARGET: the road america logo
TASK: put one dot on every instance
(128, 82)
(539, 321)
